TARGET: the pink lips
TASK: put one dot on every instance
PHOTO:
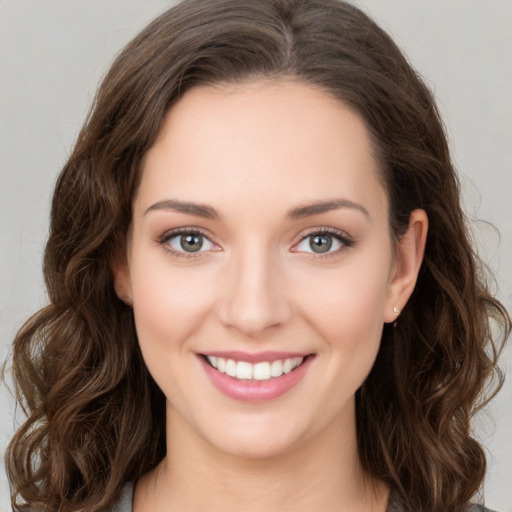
(251, 390)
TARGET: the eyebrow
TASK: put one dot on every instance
(319, 207)
(199, 210)
(301, 212)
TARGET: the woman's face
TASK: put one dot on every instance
(260, 245)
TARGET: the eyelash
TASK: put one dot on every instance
(341, 236)
(166, 237)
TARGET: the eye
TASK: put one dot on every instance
(323, 242)
(187, 242)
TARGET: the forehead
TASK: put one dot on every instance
(280, 142)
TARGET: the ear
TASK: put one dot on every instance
(121, 274)
(409, 255)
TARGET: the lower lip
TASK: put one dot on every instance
(256, 391)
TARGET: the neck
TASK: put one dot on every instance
(321, 473)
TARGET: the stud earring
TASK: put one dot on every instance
(128, 301)
(396, 310)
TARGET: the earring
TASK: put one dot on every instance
(128, 301)
(396, 310)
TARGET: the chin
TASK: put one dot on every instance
(255, 436)
(256, 447)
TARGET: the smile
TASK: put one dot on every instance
(255, 377)
(265, 370)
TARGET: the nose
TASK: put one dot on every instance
(254, 300)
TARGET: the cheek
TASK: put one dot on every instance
(346, 307)
(170, 305)
(344, 310)
(348, 298)
(169, 302)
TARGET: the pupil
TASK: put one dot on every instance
(191, 243)
(321, 243)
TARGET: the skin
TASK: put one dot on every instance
(253, 153)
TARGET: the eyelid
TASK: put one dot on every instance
(344, 238)
(168, 235)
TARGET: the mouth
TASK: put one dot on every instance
(255, 377)
(260, 371)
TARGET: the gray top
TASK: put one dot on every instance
(125, 500)
(125, 503)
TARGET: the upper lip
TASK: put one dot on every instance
(255, 357)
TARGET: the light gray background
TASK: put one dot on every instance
(53, 52)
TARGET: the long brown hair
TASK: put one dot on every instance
(96, 419)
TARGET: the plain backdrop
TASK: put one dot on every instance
(53, 53)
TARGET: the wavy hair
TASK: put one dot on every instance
(77, 367)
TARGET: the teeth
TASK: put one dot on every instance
(265, 370)
(231, 368)
(243, 370)
(261, 371)
(276, 370)
(288, 365)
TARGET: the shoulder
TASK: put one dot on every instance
(124, 504)
(397, 505)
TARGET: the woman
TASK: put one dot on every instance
(262, 289)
